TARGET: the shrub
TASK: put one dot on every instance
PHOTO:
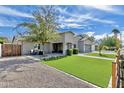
(75, 51)
(1, 41)
(53, 58)
(69, 52)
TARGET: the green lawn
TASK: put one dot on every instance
(96, 71)
(103, 55)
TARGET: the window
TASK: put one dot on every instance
(74, 45)
(38, 46)
(35, 46)
(69, 45)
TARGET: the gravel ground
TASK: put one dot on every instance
(26, 73)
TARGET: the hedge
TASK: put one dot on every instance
(69, 52)
(75, 51)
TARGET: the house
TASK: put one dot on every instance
(66, 41)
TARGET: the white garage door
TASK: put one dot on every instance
(87, 48)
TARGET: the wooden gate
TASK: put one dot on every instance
(11, 50)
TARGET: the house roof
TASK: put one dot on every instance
(67, 32)
(84, 39)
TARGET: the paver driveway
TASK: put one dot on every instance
(24, 72)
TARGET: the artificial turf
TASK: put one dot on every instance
(96, 71)
(103, 55)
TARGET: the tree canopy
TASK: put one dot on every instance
(3, 40)
(108, 43)
(43, 28)
(115, 31)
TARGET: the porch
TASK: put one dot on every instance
(57, 47)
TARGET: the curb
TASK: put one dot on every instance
(110, 83)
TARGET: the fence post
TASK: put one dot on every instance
(116, 71)
(113, 74)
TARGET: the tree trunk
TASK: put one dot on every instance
(43, 49)
(100, 52)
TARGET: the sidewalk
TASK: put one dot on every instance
(95, 57)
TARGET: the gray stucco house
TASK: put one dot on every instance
(66, 41)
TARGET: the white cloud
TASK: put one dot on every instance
(73, 25)
(83, 20)
(70, 20)
(80, 18)
(107, 8)
(102, 7)
(13, 12)
(4, 22)
(74, 18)
(97, 37)
(62, 10)
(103, 21)
(70, 25)
(90, 33)
(92, 18)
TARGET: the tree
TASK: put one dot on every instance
(108, 42)
(44, 27)
(101, 45)
(3, 40)
(116, 32)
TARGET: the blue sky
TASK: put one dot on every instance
(93, 20)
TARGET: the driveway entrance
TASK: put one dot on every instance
(23, 72)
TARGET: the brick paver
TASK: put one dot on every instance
(26, 73)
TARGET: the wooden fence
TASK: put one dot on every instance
(11, 50)
(116, 71)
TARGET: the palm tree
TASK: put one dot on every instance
(44, 27)
(116, 32)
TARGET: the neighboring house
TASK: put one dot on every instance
(85, 45)
(66, 41)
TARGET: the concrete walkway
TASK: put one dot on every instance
(95, 57)
(24, 72)
(105, 52)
